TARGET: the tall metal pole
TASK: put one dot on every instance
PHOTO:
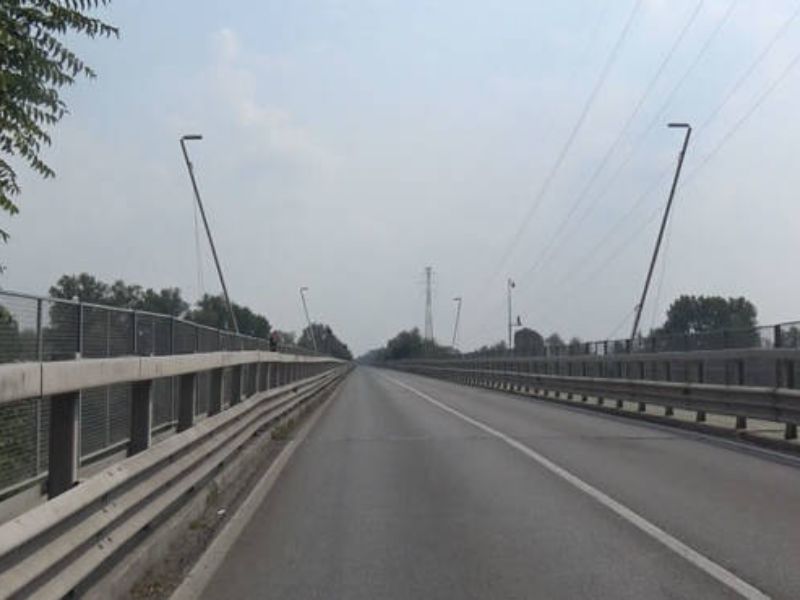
(208, 229)
(303, 291)
(510, 286)
(428, 304)
(654, 258)
(458, 316)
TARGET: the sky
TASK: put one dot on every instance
(350, 144)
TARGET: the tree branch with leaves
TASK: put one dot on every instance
(34, 65)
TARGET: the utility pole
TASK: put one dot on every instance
(654, 258)
(457, 300)
(184, 139)
(510, 286)
(428, 304)
(303, 291)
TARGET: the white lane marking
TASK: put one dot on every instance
(702, 562)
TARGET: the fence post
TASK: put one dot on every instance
(39, 332)
(777, 340)
(236, 384)
(79, 348)
(135, 328)
(171, 336)
(64, 449)
(187, 386)
(215, 392)
(141, 416)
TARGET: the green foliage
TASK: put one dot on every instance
(497, 348)
(83, 287)
(34, 65)
(528, 342)
(213, 311)
(88, 288)
(699, 314)
(408, 344)
(554, 341)
(210, 310)
(327, 342)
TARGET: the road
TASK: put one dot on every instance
(409, 487)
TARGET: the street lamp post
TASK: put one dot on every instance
(510, 286)
(184, 139)
(654, 258)
(303, 291)
(457, 300)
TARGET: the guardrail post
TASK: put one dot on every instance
(259, 369)
(787, 380)
(236, 384)
(134, 333)
(215, 392)
(252, 376)
(700, 415)
(141, 416)
(79, 340)
(64, 448)
(187, 390)
(668, 410)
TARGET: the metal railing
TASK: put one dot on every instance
(55, 549)
(779, 336)
(779, 403)
(35, 329)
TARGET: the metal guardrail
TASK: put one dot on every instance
(780, 405)
(781, 335)
(35, 329)
(52, 550)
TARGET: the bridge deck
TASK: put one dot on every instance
(392, 496)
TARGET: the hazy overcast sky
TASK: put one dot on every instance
(350, 144)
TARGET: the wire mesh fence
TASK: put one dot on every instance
(780, 336)
(39, 329)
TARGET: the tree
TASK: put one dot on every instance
(575, 345)
(497, 348)
(554, 341)
(168, 301)
(326, 341)
(699, 314)
(213, 311)
(284, 338)
(34, 65)
(406, 344)
(87, 288)
(83, 287)
(528, 342)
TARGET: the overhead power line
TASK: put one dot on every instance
(658, 116)
(690, 178)
(620, 136)
(562, 154)
(610, 60)
(753, 65)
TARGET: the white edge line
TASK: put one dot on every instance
(702, 562)
(201, 573)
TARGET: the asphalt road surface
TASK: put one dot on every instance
(409, 487)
